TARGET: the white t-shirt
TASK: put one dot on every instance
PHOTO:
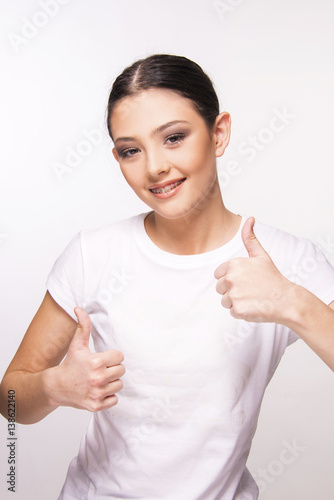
(195, 376)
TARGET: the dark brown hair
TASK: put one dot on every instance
(171, 72)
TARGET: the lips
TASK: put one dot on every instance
(166, 187)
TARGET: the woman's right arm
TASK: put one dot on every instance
(83, 380)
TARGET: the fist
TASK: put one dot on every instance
(252, 287)
(89, 380)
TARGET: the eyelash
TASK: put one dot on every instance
(124, 153)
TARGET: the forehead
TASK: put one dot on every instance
(149, 109)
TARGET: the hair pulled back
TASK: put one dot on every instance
(166, 71)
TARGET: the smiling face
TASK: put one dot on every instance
(166, 152)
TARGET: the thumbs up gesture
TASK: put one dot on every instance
(87, 380)
(253, 288)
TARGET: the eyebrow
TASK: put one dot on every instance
(156, 131)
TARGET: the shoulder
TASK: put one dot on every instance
(98, 244)
(279, 243)
(299, 259)
(120, 228)
(117, 235)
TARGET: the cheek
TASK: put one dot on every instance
(200, 159)
(188, 159)
(131, 175)
(131, 172)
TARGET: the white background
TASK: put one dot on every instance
(262, 55)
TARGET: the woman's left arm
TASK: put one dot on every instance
(255, 290)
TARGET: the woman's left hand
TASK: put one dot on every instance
(253, 288)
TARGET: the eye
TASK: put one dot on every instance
(175, 138)
(127, 153)
(171, 139)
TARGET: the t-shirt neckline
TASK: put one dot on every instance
(220, 254)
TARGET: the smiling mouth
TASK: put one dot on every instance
(167, 188)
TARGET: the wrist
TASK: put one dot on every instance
(296, 309)
(50, 385)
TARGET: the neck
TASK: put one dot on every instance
(199, 231)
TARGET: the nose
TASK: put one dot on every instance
(156, 164)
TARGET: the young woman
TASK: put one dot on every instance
(197, 361)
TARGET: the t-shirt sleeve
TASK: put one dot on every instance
(314, 272)
(65, 282)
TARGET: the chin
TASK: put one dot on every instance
(176, 212)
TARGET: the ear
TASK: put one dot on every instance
(114, 152)
(222, 132)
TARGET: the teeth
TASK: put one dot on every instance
(167, 188)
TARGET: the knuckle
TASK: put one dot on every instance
(233, 266)
(237, 311)
(96, 380)
(94, 396)
(95, 362)
(229, 266)
(98, 406)
(229, 280)
(91, 406)
(95, 402)
(234, 314)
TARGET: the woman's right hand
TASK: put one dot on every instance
(85, 380)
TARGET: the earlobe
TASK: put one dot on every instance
(222, 131)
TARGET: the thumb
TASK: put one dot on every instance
(82, 333)
(252, 244)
